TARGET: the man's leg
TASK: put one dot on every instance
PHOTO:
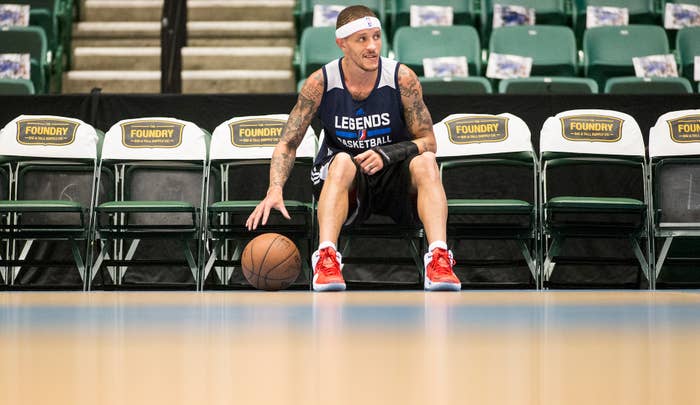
(333, 208)
(432, 211)
(333, 201)
(432, 203)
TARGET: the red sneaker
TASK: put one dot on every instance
(438, 271)
(327, 277)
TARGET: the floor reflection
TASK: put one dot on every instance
(350, 348)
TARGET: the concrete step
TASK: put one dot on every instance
(116, 58)
(226, 58)
(193, 58)
(193, 82)
(211, 33)
(197, 10)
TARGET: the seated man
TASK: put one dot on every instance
(378, 153)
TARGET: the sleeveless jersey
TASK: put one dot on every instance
(354, 126)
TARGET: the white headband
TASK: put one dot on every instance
(357, 25)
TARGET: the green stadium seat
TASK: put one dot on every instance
(31, 40)
(16, 86)
(675, 163)
(464, 12)
(548, 85)
(688, 47)
(551, 47)
(154, 218)
(53, 162)
(547, 12)
(576, 147)
(55, 18)
(490, 180)
(673, 33)
(304, 10)
(317, 47)
(455, 85)
(412, 44)
(235, 159)
(608, 51)
(640, 12)
(648, 85)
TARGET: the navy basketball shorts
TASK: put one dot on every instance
(387, 192)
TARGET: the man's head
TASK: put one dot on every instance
(358, 34)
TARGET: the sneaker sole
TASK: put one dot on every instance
(329, 287)
(430, 286)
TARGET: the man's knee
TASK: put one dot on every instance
(424, 168)
(342, 169)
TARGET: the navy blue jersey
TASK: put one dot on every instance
(354, 126)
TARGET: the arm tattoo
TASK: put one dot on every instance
(416, 113)
(293, 133)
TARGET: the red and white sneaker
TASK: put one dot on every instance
(438, 271)
(327, 277)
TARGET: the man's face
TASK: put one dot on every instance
(363, 48)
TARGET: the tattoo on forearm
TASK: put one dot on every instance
(293, 132)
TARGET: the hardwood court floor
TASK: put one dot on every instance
(612, 347)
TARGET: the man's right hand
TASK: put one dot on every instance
(273, 199)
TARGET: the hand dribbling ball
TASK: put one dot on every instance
(271, 262)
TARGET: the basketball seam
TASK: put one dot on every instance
(262, 263)
(274, 267)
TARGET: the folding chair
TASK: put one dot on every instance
(489, 171)
(158, 167)
(241, 150)
(674, 150)
(49, 164)
(593, 187)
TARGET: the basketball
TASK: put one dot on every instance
(271, 262)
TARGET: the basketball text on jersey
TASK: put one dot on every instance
(365, 131)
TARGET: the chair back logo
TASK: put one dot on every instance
(152, 134)
(685, 129)
(477, 129)
(46, 131)
(591, 128)
(256, 132)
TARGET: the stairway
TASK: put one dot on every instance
(234, 46)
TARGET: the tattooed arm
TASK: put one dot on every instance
(416, 114)
(285, 152)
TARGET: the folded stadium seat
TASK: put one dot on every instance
(148, 232)
(593, 192)
(16, 86)
(548, 85)
(455, 85)
(489, 171)
(304, 11)
(31, 40)
(674, 150)
(640, 12)
(648, 85)
(673, 33)
(464, 12)
(608, 51)
(412, 44)
(547, 12)
(688, 47)
(551, 47)
(241, 149)
(52, 163)
(317, 47)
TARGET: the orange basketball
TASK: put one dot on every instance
(271, 262)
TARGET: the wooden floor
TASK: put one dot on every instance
(612, 347)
